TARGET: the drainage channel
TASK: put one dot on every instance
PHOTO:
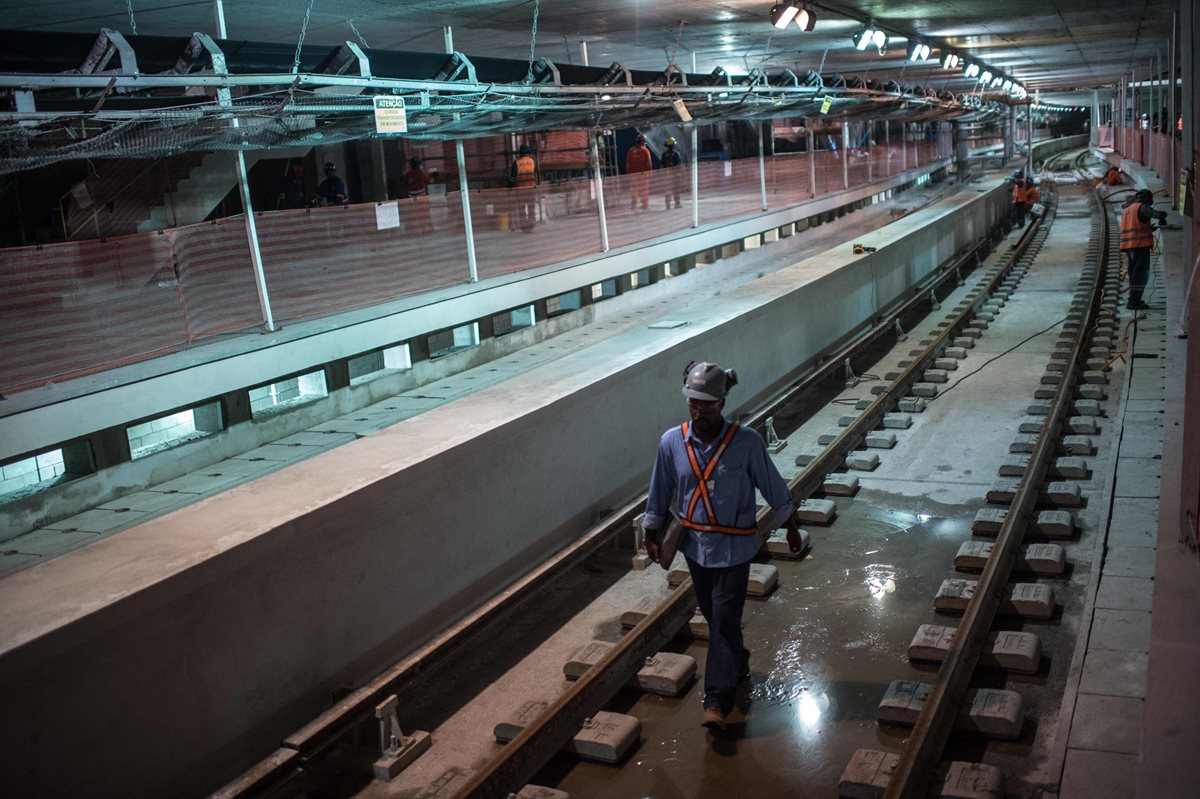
(548, 726)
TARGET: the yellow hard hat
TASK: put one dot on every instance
(670, 141)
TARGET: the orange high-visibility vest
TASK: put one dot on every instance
(1032, 195)
(1114, 177)
(700, 494)
(525, 172)
(1019, 192)
(1135, 234)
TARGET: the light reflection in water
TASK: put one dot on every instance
(880, 580)
(811, 707)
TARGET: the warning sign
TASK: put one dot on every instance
(390, 116)
(826, 104)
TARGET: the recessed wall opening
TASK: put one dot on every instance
(284, 394)
(173, 429)
(605, 290)
(366, 367)
(29, 475)
(571, 301)
(446, 342)
(517, 319)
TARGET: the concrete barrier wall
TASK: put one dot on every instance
(161, 661)
(1044, 149)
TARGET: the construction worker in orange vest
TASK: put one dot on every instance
(1137, 239)
(1032, 195)
(523, 178)
(1018, 198)
(706, 479)
(638, 166)
(1113, 178)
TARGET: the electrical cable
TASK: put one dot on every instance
(994, 358)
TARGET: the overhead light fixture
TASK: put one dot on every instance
(971, 71)
(870, 36)
(985, 78)
(782, 14)
(1007, 86)
(918, 51)
(806, 20)
(996, 81)
(950, 61)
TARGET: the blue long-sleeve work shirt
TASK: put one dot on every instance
(744, 467)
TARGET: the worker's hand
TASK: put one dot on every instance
(652, 550)
(795, 542)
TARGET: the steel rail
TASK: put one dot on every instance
(914, 773)
(326, 731)
(546, 735)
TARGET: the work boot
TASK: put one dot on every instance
(736, 716)
(714, 719)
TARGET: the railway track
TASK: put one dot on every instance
(905, 392)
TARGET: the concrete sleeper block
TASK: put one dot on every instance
(1018, 652)
(880, 439)
(840, 485)
(897, 421)
(604, 737)
(862, 461)
(1026, 600)
(777, 545)
(986, 711)
(816, 511)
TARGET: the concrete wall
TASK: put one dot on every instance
(188, 646)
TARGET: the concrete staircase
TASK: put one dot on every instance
(194, 197)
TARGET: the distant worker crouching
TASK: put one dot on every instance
(1113, 178)
(416, 180)
(712, 468)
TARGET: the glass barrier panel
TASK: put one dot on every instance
(729, 189)
(523, 228)
(643, 206)
(68, 310)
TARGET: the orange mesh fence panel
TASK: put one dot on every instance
(729, 189)
(67, 310)
(789, 179)
(859, 166)
(630, 220)
(216, 278)
(325, 260)
(829, 171)
(522, 228)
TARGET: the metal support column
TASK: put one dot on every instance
(695, 173)
(464, 192)
(1029, 140)
(762, 167)
(1172, 167)
(903, 146)
(224, 97)
(870, 150)
(812, 162)
(598, 182)
(887, 147)
(845, 155)
(583, 56)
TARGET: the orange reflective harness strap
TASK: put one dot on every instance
(700, 494)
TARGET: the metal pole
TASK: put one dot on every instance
(1029, 141)
(812, 162)
(903, 146)
(260, 278)
(1173, 187)
(465, 195)
(845, 154)
(887, 147)
(448, 39)
(382, 166)
(762, 167)
(583, 53)
(870, 139)
(598, 180)
(694, 62)
(695, 171)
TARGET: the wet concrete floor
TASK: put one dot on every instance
(836, 632)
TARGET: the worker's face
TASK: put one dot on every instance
(707, 412)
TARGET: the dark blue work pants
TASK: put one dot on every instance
(721, 594)
(1139, 273)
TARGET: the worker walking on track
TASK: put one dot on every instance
(712, 468)
(522, 180)
(674, 177)
(638, 165)
(1137, 239)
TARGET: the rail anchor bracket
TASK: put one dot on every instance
(851, 378)
(774, 442)
(933, 300)
(399, 750)
(900, 334)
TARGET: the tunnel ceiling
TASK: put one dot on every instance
(1047, 45)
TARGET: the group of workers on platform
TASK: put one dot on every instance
(639, 164)
(1025, 195)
